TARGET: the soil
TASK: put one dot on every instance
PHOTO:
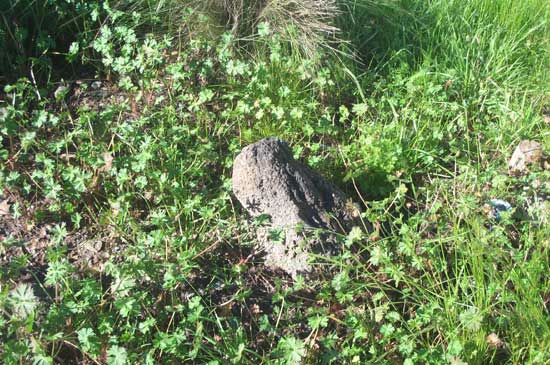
(24, 244)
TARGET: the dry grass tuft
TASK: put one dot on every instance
(307, 25)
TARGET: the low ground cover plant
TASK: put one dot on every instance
(121, 241)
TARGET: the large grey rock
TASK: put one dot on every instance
(301, 203)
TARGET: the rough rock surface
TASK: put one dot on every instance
(526, 153)
(300, 203)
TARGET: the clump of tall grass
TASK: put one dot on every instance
(502, 42)
(307, 25)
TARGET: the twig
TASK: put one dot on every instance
(35, 85)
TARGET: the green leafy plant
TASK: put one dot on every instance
(121, 243)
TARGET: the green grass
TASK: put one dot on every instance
(416, 126)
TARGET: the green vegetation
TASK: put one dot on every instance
(121, 243)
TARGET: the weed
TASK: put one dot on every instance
(120, 242)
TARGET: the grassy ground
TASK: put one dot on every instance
(121, 241)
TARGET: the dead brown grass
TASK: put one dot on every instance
(307, 25)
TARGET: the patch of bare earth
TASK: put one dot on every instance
(24, 244)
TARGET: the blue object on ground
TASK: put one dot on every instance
(499, 206)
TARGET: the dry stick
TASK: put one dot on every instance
(355, 186)
(207, 249)
(280, 313)
(84, 352)
(35, 85)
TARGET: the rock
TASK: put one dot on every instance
(4, 207)
(526, 153)
(3, 114)
(494, 341)
(300, 202)
(61, 92)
